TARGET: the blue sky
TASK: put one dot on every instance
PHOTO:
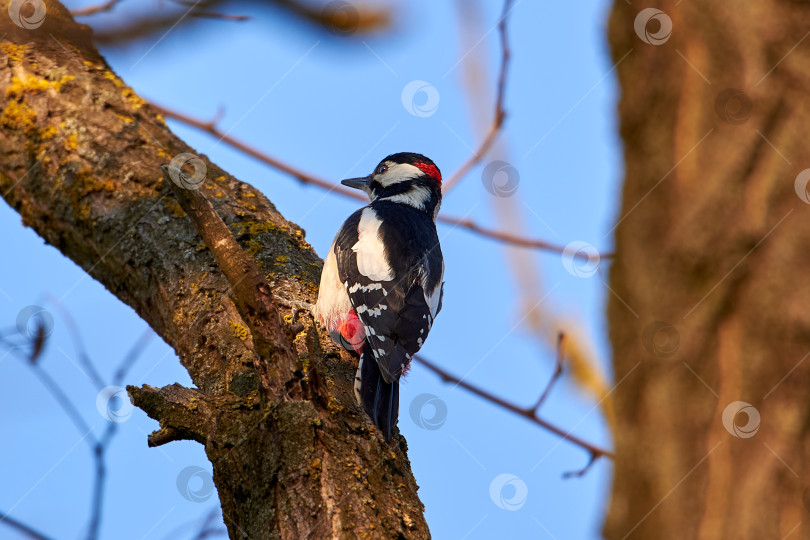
(333, 107)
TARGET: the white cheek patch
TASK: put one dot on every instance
(399, 172)
(417, 196)
(372, 261)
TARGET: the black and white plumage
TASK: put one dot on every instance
(381, 286)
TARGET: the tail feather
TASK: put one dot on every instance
(379, 398)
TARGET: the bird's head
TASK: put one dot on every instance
(406, 178)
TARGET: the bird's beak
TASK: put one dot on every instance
(363, 183)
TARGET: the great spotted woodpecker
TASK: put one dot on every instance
(381, 286)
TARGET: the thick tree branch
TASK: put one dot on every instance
(80, 157)
(252, 294)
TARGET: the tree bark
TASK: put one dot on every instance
(711, 301)
(293, 455)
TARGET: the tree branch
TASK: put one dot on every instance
(252, 294)
(21, 527)
(500, 113)
(529, 413)
(211, 128)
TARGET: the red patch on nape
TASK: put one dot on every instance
(430, 170)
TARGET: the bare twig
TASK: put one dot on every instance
(558, 370)
(529, 413)
(78, 342)
(92, 10)
(21, 527)
(98, 446)
(353, 20)
(500, 113)
(211, 128)
(220, 16)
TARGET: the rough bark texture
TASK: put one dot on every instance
(714, 243)
(293, 455)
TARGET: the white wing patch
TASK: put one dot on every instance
(372, 260)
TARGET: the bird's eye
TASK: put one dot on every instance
(382, 169)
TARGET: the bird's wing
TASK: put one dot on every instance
(396, 314)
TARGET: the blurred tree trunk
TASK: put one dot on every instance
(712, 302)
(293, 455)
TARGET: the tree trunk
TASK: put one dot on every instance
(712, 304)
(293, 455)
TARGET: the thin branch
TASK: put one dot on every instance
(92, 10)
(132, 356)
(78, 342)
(211, 128)
(558, 371)
(529, 413)
(64, 401)
(27, 530)
(208, 524)
(220, 16)
(500, 113)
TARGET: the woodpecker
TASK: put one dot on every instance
(382, 282)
